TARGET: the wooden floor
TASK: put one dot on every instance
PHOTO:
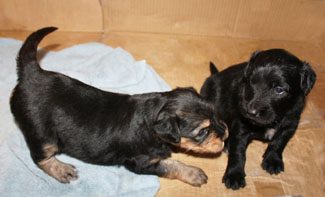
(183, 61)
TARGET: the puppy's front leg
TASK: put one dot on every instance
(170, 169)
(238, 140)
(272, 158)
(177, 170)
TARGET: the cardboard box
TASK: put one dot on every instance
(294, 20)
(178, 38)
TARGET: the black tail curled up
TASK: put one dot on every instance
(27, 58)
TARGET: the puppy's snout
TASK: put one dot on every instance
(226, 135)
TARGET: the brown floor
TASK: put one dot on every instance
(183, 61)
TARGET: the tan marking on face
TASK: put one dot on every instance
(204, 124)
(188, 174)
(212, 144)
(61, 171)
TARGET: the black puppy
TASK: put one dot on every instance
(259, 99)
(58, 114)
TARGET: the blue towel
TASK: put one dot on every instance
(95, 64)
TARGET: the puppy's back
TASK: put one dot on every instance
(219, 80)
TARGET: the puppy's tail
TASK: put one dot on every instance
(27, 59)
(213, 69)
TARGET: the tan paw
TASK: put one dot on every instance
(193, 175)
(188, 174)
(61, 171)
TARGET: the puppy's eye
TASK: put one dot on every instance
(203, 132)
(202, 135)
(279, 90)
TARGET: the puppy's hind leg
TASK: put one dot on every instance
(43, 147)
(61, 171)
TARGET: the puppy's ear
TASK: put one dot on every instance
(250, 63)
(213, 69)
(167, 129)
(307, 78)
(254, 54)
(152, 108)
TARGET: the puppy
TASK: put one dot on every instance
(58, 114)
(259, 99)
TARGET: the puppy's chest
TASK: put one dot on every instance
(267, 134)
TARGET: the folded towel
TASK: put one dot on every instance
(94, 64)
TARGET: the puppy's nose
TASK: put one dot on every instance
(252, 110)
(223, 130)
(225, 136)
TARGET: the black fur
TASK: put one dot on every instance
(99, 127)
(259, 99)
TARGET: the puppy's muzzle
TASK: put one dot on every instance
(212, 144)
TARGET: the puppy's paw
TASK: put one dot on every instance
(273, 163)
(234, 179)
(194, 176)
(66, 173)
(61, 171)
(188, 174)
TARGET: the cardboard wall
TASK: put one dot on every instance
(297, 20)
(68, 15)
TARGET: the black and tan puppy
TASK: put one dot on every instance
(259, 99)
(58, 114)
